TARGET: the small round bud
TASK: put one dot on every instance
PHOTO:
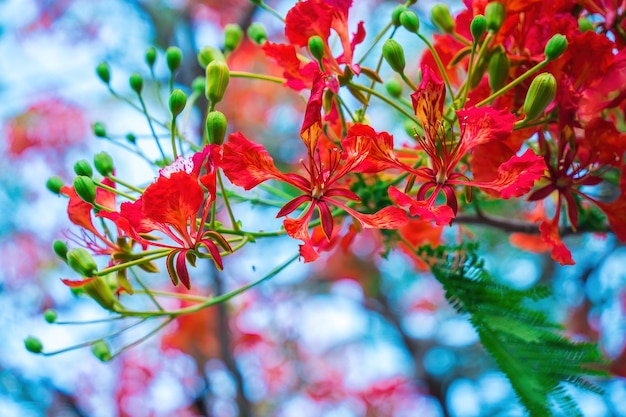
(83, 167)
(50, 315)
(555, 47)
(173, 56)
(585, 25)
(216, 125)
(394, 55)
(257, 33)
(217, 78)
(131, 138)
(32, 344)
(499, 66)
(410, 21)
(540, 94)
(104, 72)
(103, 163)
(81, 261)
(209, 54)
(99, 130)
(54, 184)
(198, 84)
(85, 188)
(136, 83)
(394, 88)
(232, 37)
(101, 351)
(478, 27)
(316, 46)
(395, 15)
(178, 100)
(60, 249)
(495, 14)
(441, 17)
(151, 55)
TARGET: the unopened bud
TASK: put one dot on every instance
(316, 46)
(131, 138)
(540, 94)
(151, 55)
(32, 344)
(585, 25)
(232, 37)
(441, 17)
(85, 188)
(478, 27)
(217, 78)
(198, 84)
(104, 72)
(394, 55)
(101, 351)
(54, 184)
(394, 88)
(81, 261)
(499, 66)
(178, 100)
(83, 167)
(50, 315)
(410, 21)
(99, 130)
(103, 163)
(395, 15)
(216, 125)
(100, 291)
(495, 14)
(60, 249)
(136, 83)
(555, 47)
(209, 54)
(173, 56)
(257, 33)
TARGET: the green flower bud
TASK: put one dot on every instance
(394, 87)
(83, 167)
(216, 125)
(54, 184)
(178, 100)
(173, 56)
(410, 21)
(394, 55)
(478, 27)
(232, 37)
(104, 72)
(495, 14)
(316, 46)
(441, 17)
(101, 351)
(103, 163)
(60, 248)
(99, 130)
(209, 54)
(85, 188)
(32, 344)
(131, 138)
(257, 33)
(585, 25)
(198, 84)
(395, 15)
(217, 78)
(136, 83)
(499, 66)
(410, 127)
(50, 315)
(555, 47)
(541, 93)
(100, 291)
(81, 261)
(151, 55)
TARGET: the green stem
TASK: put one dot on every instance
(144, 337)
(408, 82)
(513, 83)
(173, 138)
(267, 8)
(374, 42)
(386, 100)
(253, 76)
(114, 191)
(125, 184)
(442, 69)
(134, 262)
(78, 323)
(186, 297)
(226, 202)
(144, 110)
(147, 290)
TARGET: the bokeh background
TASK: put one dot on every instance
(353, 334)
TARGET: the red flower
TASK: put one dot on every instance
(248, 164)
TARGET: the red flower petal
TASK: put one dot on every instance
(550, 233)
(483, 125)
(442, 215)
(428, 101)
(78, 211)
(298, 76)
(77, 283)
(306, 19)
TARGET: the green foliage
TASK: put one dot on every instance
(524, 343)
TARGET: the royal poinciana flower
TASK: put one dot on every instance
(248, 164)
(171, 206)
(446, 149)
